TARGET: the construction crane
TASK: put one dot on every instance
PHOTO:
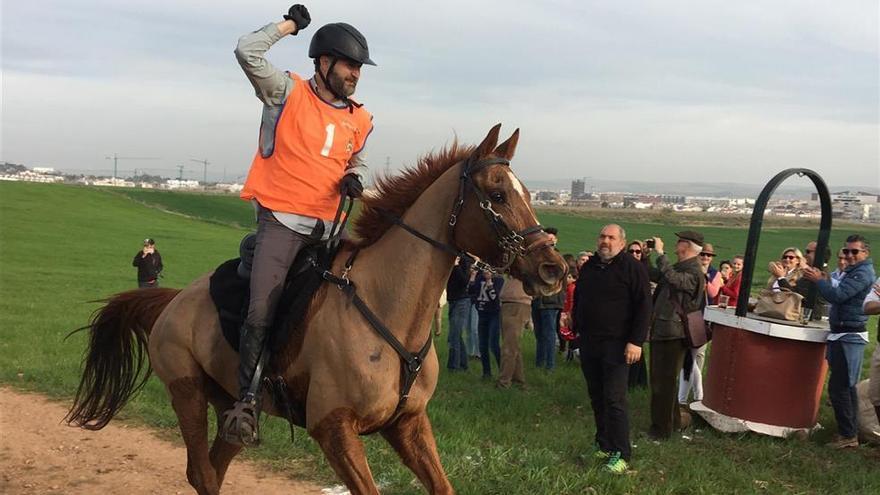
(204, 162)
(116, 159)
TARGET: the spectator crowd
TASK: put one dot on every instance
(623, 295)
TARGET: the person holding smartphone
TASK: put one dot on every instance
(848, 336)
(149, 264)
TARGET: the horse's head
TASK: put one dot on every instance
(496, 221)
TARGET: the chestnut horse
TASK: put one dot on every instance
(336, 364)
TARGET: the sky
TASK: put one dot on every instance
(662, 91)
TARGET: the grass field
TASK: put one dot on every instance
(577, 232)
(62, 246)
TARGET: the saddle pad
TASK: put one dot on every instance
(230, 294)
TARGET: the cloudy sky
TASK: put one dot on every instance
(671, 90)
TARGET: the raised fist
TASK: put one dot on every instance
(299, 14)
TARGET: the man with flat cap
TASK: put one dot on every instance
(682, 284)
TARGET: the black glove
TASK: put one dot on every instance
(299, 14)
(351, 186)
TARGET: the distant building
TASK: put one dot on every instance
(110, 182)
(181, 184)
(577, 189)
(673, 200)
(871, 213)
(233, 188)
(849, 204)
(546, 196)
(30, 176)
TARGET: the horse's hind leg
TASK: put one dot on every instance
(191, 405)
(222, 452)
(412, 438)
(338, 438)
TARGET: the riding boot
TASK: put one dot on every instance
(250, 348)
(241, 423)
(877, 412)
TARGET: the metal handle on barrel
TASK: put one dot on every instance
(742, 303)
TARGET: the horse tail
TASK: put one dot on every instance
(116, 355)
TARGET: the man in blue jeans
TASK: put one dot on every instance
(547, 329)
(545, 318)
(848, 337)
(485, 291)
(459, 312)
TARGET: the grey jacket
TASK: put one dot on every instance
(273, 86)
(686, 282)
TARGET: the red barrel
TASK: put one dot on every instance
(765, 379)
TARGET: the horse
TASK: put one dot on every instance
(462, 200)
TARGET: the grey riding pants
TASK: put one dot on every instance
(276, 248)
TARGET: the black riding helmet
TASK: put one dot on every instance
(340, 40)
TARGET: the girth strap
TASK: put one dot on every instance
(411, 363)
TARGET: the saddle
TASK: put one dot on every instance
(230, 292)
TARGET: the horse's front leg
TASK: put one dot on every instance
(412, 438)
(338, 438)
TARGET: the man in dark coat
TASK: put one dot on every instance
(149, 264)
(611, 313)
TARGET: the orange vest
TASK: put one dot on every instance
(314, 142)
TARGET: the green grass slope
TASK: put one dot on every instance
(220, 208)
(62, 246)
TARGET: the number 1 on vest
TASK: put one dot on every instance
(328, 142)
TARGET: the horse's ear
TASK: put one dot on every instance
(508, 148)
(489, 142)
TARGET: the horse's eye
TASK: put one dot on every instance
(496, 197)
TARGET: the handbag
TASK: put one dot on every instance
(781, 305)
(696, 331)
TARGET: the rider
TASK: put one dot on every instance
(311, 143)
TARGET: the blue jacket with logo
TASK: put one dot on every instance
(846, 299)
(484, 293)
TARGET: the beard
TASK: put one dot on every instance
(604, 253)
(341, 86)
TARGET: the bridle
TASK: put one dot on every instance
(511, 242)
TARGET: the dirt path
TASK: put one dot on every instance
(41, 455)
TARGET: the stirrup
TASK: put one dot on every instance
(241, 424)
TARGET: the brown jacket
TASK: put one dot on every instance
(512, 292)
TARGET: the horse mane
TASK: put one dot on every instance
(395, 194)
